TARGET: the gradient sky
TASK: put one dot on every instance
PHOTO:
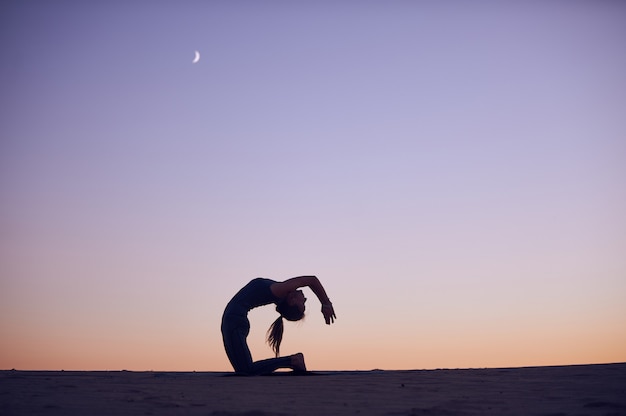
(454, 175)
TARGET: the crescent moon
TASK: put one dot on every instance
(197, 58)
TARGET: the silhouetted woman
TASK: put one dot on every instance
(289, 304)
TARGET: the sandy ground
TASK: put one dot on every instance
(545, 391)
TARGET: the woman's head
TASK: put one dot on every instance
(291, 308)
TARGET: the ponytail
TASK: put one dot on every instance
(275, 335)
(275, 332)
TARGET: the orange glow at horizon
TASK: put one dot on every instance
(346, 345)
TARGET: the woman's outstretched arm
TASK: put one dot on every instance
(282, 289)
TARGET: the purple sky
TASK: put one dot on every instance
(454, 175)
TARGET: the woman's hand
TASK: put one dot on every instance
(329, 313)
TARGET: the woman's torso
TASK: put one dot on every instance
(256, 293)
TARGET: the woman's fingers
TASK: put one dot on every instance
(329, 314)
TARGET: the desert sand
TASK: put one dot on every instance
(563, 390)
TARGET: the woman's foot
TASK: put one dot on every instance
(297, 362)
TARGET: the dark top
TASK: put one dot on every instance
(254, 294)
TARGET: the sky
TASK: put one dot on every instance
(453, 174)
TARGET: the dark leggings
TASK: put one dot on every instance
(235, 330)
